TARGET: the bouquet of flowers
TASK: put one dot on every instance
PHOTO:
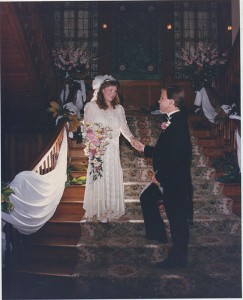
(96, 138)
(71, 60)
(202, 62)
(59, 111)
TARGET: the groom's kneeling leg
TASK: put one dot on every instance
(154, 224)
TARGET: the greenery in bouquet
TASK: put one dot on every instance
(80, 180)
(70, 61)
(6, 205)
(228, 163)
(202, 63)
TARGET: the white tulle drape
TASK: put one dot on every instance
(238, 142)
(37, 196)
(202, 99)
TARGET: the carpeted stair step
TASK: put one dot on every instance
(211, 204)
(133, 225)
(144, 173)
(200, 187)
(131, 159)
(129, 250)
(128, 281)
(200, 161)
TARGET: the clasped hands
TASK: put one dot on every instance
(140, 147)
(137, 145)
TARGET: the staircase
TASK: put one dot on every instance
(72, 259)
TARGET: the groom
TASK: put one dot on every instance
(171, 182)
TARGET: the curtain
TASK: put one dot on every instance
(238, 142)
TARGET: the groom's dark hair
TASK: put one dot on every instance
(176, 93)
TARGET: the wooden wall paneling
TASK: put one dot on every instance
(140, 93)
(146, 93)
(21, 149)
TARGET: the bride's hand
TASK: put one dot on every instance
(137, 145)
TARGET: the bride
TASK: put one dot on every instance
(104, 120)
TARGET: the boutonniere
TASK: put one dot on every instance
(164, 125)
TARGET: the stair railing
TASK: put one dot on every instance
(225, 133)
(44, 163)
(47, 159)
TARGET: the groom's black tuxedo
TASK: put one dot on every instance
(171, 162)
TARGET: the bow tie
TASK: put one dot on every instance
(166, 117)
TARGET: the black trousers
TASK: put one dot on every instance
(154, 224)
(176, 211)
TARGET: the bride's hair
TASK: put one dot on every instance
(100, 97)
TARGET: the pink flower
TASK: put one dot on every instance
(96, 137)
(164, 125)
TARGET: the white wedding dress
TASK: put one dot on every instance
(104, 197)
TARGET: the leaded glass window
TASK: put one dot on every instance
(194, 21)
(76, 24)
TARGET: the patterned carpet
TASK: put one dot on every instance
(116, 261)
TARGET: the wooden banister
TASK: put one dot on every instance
(225, 133)
(47, 159)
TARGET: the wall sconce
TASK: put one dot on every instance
(122, 67)
(169, 26)
(104, 26)
(229, 27)
(150, 68)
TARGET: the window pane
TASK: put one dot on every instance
(76, 25)
(199, 23)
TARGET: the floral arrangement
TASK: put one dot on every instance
(203, 61)
(96, 138)
(71, 60)
(6, 204)
(74, 122)
(164, 125)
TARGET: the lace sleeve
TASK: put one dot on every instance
(88, 113)
(123, 125)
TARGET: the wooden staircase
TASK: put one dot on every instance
(53, 252)
(207, 139)
(53, 249)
